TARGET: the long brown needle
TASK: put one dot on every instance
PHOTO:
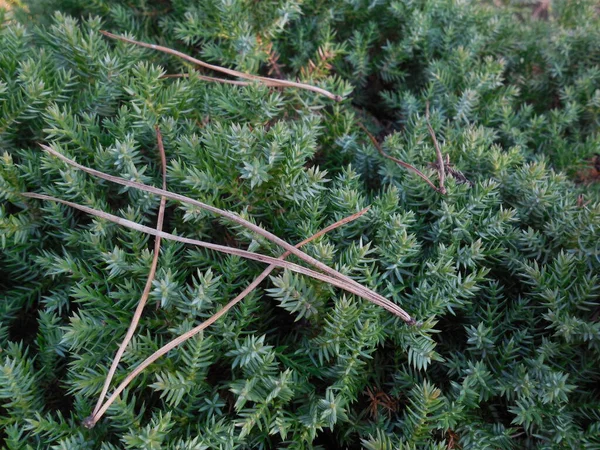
(265, 80)
(356, 288)
(144, 298)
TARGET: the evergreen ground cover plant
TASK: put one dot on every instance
(499, 272)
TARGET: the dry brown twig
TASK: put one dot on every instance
(541, 10)
(273, 62)
(454, 173)
(442, 165)
(398, 161)
(93, 419)
(440, 157)
(379, 398)
(273, 82)
(144, 298)
(452, 439)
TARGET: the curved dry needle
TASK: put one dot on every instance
(91, 421)
(369, 294)
(234, 73)
(144, 298)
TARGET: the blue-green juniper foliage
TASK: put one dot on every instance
(501, 272)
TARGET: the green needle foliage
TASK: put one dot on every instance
(501, 273)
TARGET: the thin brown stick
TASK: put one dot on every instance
(144, 298)
(440, 158)
(356, 288)
(396, 160)
(233, 73)
(93, 419)
(348, 282)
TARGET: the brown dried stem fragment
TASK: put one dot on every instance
(396, 160)
(234, 73)
(440, 157)
(457, 174)
(379, 398)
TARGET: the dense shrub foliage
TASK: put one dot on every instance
(501, 272)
